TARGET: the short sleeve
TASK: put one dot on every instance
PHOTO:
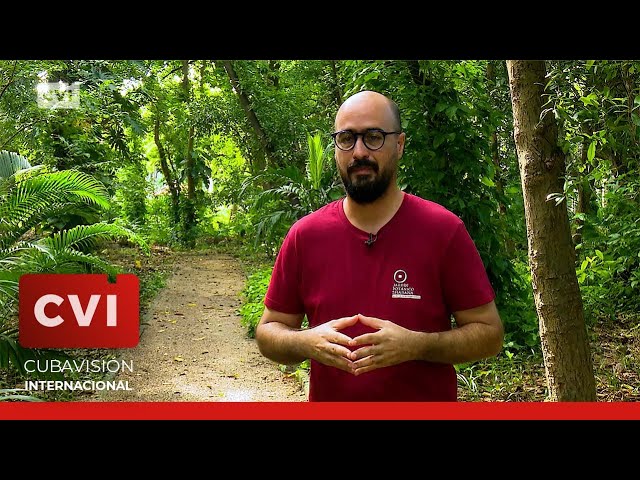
(283, 293)
(465, 283)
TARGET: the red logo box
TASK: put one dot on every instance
(79, 311)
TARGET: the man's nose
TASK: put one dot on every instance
(360, 150)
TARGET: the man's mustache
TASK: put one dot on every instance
(362, 163)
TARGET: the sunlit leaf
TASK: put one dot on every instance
(591, 152)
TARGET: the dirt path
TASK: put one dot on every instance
(193, 347)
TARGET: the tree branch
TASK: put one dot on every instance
(13, 72)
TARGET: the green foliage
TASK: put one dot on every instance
(157, 227)
(150, 285)
(293, 194)
(518, 314)
(595, 105)
(609, 272)
(132, 189)
(290, 99)
(28, 198)
(253, 293)
(315, 164)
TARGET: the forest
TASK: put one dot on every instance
(538, 158)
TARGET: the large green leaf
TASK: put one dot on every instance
(315, 160)
(84, 237)
(34, 199)
(11, 162)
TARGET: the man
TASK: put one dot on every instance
(378, 275)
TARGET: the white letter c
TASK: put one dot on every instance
(38, 310)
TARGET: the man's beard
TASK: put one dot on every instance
(365, 189)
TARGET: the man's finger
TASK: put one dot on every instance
(363, 365)
(371, 321)
(340, 351)
(360, 371)
(362, 353)
(364, 339)
(344, 322)
(341, 339)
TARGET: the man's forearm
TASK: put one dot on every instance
(281, 343)
(467, 343)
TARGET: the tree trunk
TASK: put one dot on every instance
(10, 80)
(190, 204)
(266, 152)
(584, 193)
(563, 333)
(174, 187)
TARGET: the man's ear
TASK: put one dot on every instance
(400, 146)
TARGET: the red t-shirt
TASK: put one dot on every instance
(422, 267)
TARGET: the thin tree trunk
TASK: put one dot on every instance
(584, 194)
(11, 78)
(190, 205)
(174, 187)
(266, 152)
(563, 333)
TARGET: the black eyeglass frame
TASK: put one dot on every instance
(356, 135)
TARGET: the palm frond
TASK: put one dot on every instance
(292, 189)
(270, 221)
(69, 261)
(9, 280)
(11, 162)
(83, 237)
(265, 197)
(36, 198)
(70, 185)
(13, 255)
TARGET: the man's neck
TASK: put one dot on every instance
(371, 217)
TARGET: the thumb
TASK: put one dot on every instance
(344, 322)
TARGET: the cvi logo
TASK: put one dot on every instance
(78, 311)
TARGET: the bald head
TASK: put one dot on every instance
(372, 105)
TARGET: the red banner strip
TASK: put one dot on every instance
(318, 411)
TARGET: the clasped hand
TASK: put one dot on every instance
(389, 345)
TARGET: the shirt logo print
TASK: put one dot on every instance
(401, 288)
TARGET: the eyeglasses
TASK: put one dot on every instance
(373, 138)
